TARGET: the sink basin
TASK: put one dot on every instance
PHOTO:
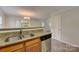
(13, 39)
(26, 36)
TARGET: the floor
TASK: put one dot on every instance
(58, 46)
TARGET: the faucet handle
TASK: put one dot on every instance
(20, 36)
(31, 34)
(7, 39)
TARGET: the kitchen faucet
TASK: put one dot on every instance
(20, 35)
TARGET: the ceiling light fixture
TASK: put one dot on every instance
(26, 17)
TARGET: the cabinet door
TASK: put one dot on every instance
(34, 48)
(33, 45)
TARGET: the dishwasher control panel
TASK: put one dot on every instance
(45, 37)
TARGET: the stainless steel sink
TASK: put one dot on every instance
(10, 39)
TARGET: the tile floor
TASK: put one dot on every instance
(58, 46)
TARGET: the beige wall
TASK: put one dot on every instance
(65, 27)
(3, 18)
(70, 26)
(12, 22)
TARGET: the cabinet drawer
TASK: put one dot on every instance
(32, 42)
(12, 48)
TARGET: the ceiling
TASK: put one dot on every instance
(40, 12)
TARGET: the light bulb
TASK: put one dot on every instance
(26, 17)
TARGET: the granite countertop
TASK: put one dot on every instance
(2, 29)
(3, 44)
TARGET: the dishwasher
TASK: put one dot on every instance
(46, 43)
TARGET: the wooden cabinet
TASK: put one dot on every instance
(12, 48)
(19, 50)
(33, 45)
(33, 48)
